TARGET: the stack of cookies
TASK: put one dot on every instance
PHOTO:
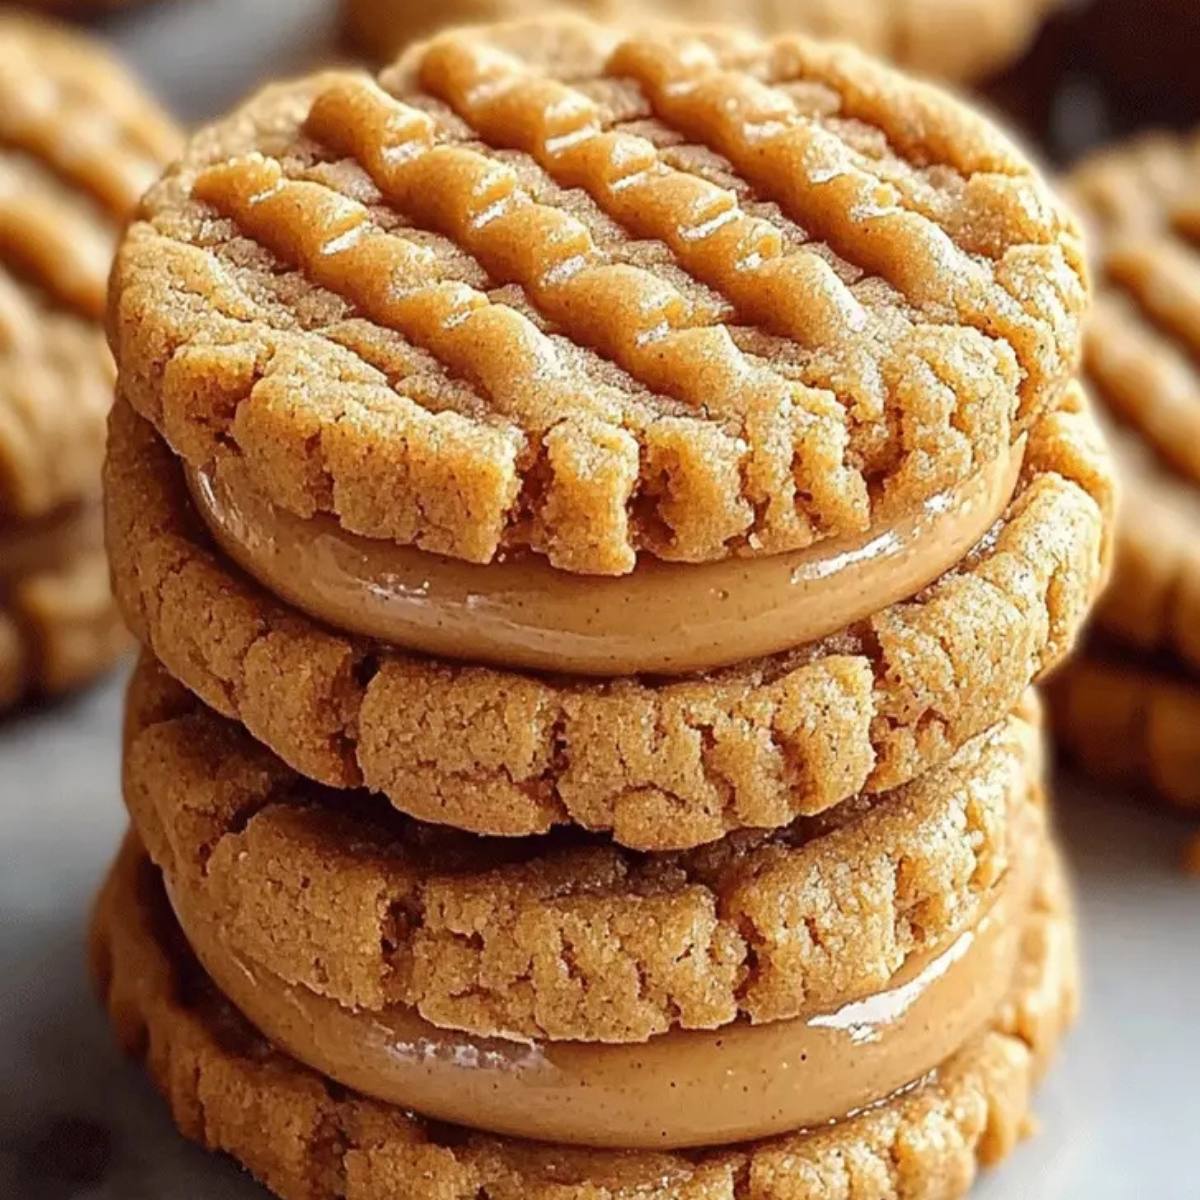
(79, 142)
(960, 40)
(1129, 710)
(594, 503)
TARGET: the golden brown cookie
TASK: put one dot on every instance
(335, 891)
(1142, 202)
(58, 624)
(541, 287)
(78, 143)
(660, 764)
(231, 1091)
(1128, 710)
(952, 39)
(1131, 723)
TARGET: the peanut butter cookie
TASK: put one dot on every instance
(58, 623)
(78, 144)
(232, 1091)
(338, 893)
(547, 287)
(1128, 710)
(660, 764)
(961, 40)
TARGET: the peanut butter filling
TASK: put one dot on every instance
(683, 1089)
(28, 547)
(666, 618)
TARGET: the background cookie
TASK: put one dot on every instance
(953, 39)
(335, 892)
(78, 144)
(230, 1091)
(1127, 711)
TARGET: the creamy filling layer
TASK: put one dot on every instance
(663, 618)
(683, 1089)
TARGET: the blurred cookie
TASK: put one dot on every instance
(1129, 709)
(79, 142)
(959, 40)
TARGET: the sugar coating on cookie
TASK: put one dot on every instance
(952, 39)
(230, 1091)
(79, 143)
(596, 294)
(660, 765)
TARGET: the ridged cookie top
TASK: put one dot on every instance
(596, 294)
(1142, 345)
(78, 145)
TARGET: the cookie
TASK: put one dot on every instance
(59, 626)
(232, 1091)
(336, 892)
(953, 39)
(616, 321)
(1127, 711)
(659, 764)
(78, 144)
(1132, 724)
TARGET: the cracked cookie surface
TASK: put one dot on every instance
(662, 765)
(952, 39)
(230, 1091)
(79, 142)
(540, 287)
(568, 937)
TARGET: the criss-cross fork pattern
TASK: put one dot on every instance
(712, 298)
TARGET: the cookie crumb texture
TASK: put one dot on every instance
(539, 286)
(79, 143)
(59, 628)
(567, 937)
(659, 765)
(230, 1091)
(952, 39)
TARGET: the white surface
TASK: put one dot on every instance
(1119, 1113)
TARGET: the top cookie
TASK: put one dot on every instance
(79, 142)
(598, 293)
(952, 39)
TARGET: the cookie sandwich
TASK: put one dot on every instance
(79, 142)
(1129, 709)
(593, 503)
(962, 41)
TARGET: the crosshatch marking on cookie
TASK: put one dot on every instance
(719, 432)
